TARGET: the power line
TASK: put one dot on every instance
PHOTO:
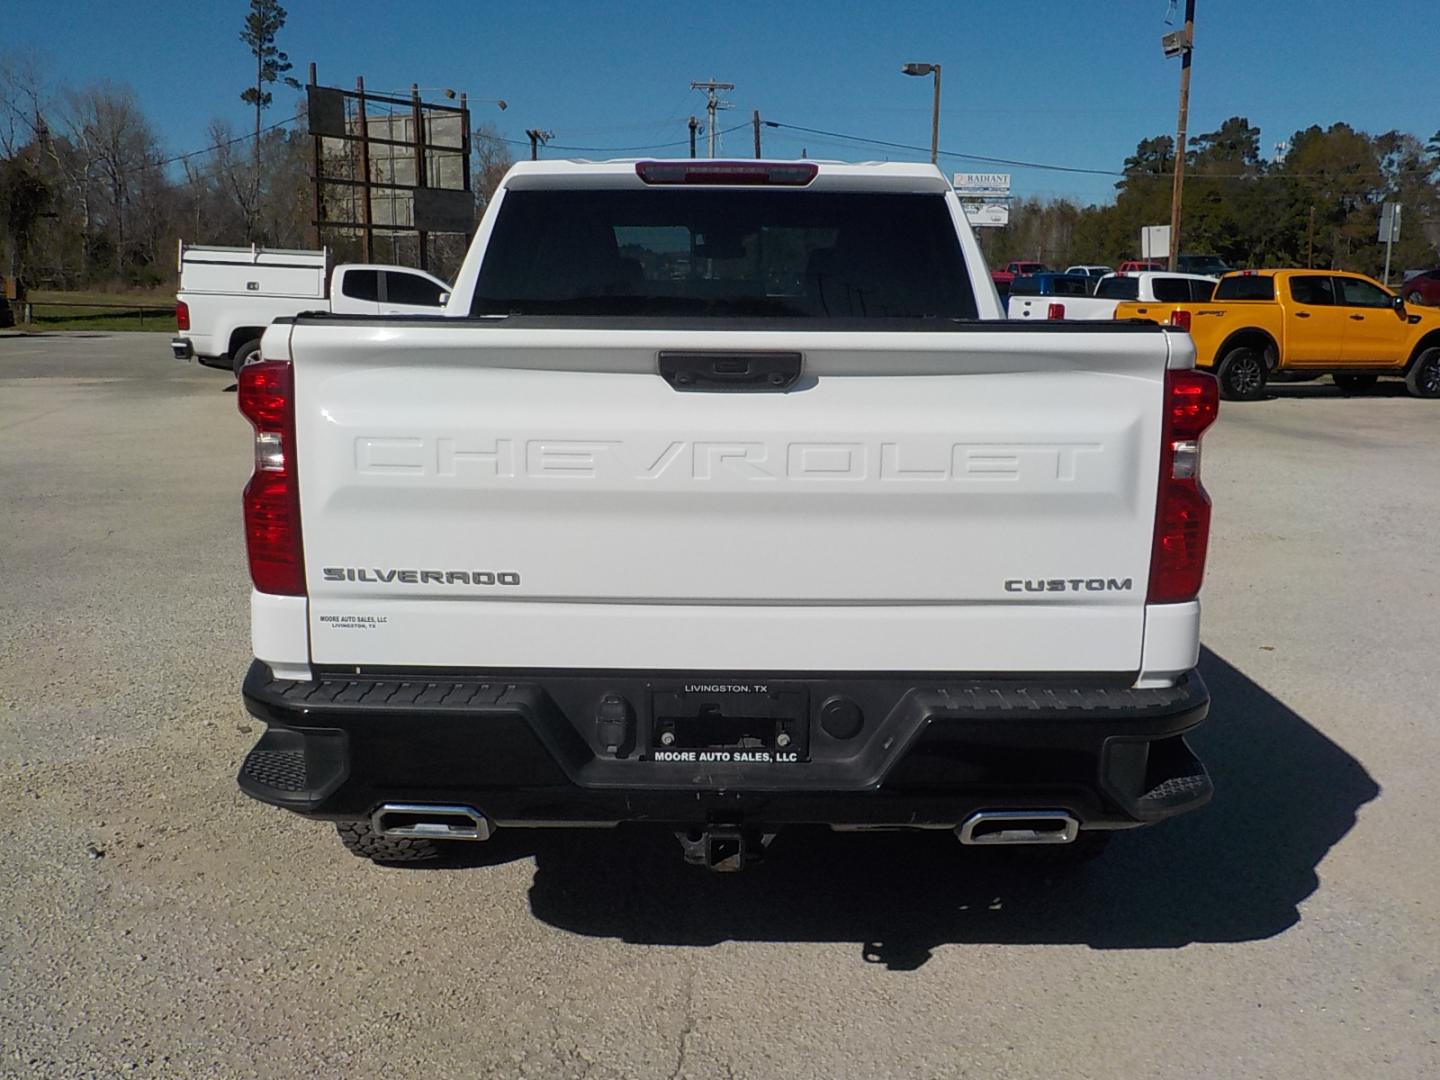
(1048, 167)
(512, 142)
(843, 138)
(944, 153)
(623, 149)
(228, 142)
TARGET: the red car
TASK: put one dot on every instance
(1003, 278)
(1138, 266)
(1423, 288)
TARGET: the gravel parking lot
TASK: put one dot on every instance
(154, 922)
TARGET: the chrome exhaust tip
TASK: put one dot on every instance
(1018, 827)
(431, 821)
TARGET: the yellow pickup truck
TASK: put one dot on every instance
(1262, 324)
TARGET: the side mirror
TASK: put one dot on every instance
(1397, 303)
(445, 299)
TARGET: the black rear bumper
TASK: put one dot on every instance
(563, 748)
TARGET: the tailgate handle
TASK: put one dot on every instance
(748, 372)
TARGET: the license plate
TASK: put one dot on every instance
(730, 723)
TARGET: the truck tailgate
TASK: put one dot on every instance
(488, 496)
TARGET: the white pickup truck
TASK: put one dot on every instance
(228, 295)
(1148, 286)
(723, 501)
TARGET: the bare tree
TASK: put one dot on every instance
(26, 190)
(492, 161)
(115, 155)
(24, 102)
(231, 189)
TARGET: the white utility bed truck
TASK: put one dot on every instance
(228, 295)
(724, 500)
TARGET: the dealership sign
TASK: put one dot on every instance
(986, 198)
(987, 215)
(982, 183)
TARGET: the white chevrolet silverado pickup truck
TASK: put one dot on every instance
(723, 499)
(228, 295)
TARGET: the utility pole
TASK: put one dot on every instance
(1177, 191)
(417, 118)
(712, 105)
(694, 126)
(537, 139)
(367, 237)
(755, 119)
(318, 197)
(1310, 240)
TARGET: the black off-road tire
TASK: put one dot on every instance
(1423, 378)
(1242, 374)
(1355, 384)
(244, 355)
(361, 839)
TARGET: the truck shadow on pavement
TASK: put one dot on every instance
(1386, 388)
(1235, 871)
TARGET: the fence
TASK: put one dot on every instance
(89, 312)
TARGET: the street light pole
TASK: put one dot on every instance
(935, 121)
(930, 69)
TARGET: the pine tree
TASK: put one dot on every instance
(265, 21)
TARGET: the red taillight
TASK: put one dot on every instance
(272, 497)
(1056, 311)
(1180, 319)
(1192, 401)
(773, 173)
(182, 315)
(265, 395)
(1182, 509)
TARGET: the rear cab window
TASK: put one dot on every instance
(402, 288)
(725, 253)
(1171, 290)
(1119, 288)
(1246, 287)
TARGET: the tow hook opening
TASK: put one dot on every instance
(1019, 827)
(431, 821)
(723, 849)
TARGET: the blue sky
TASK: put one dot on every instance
(1068, 82)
